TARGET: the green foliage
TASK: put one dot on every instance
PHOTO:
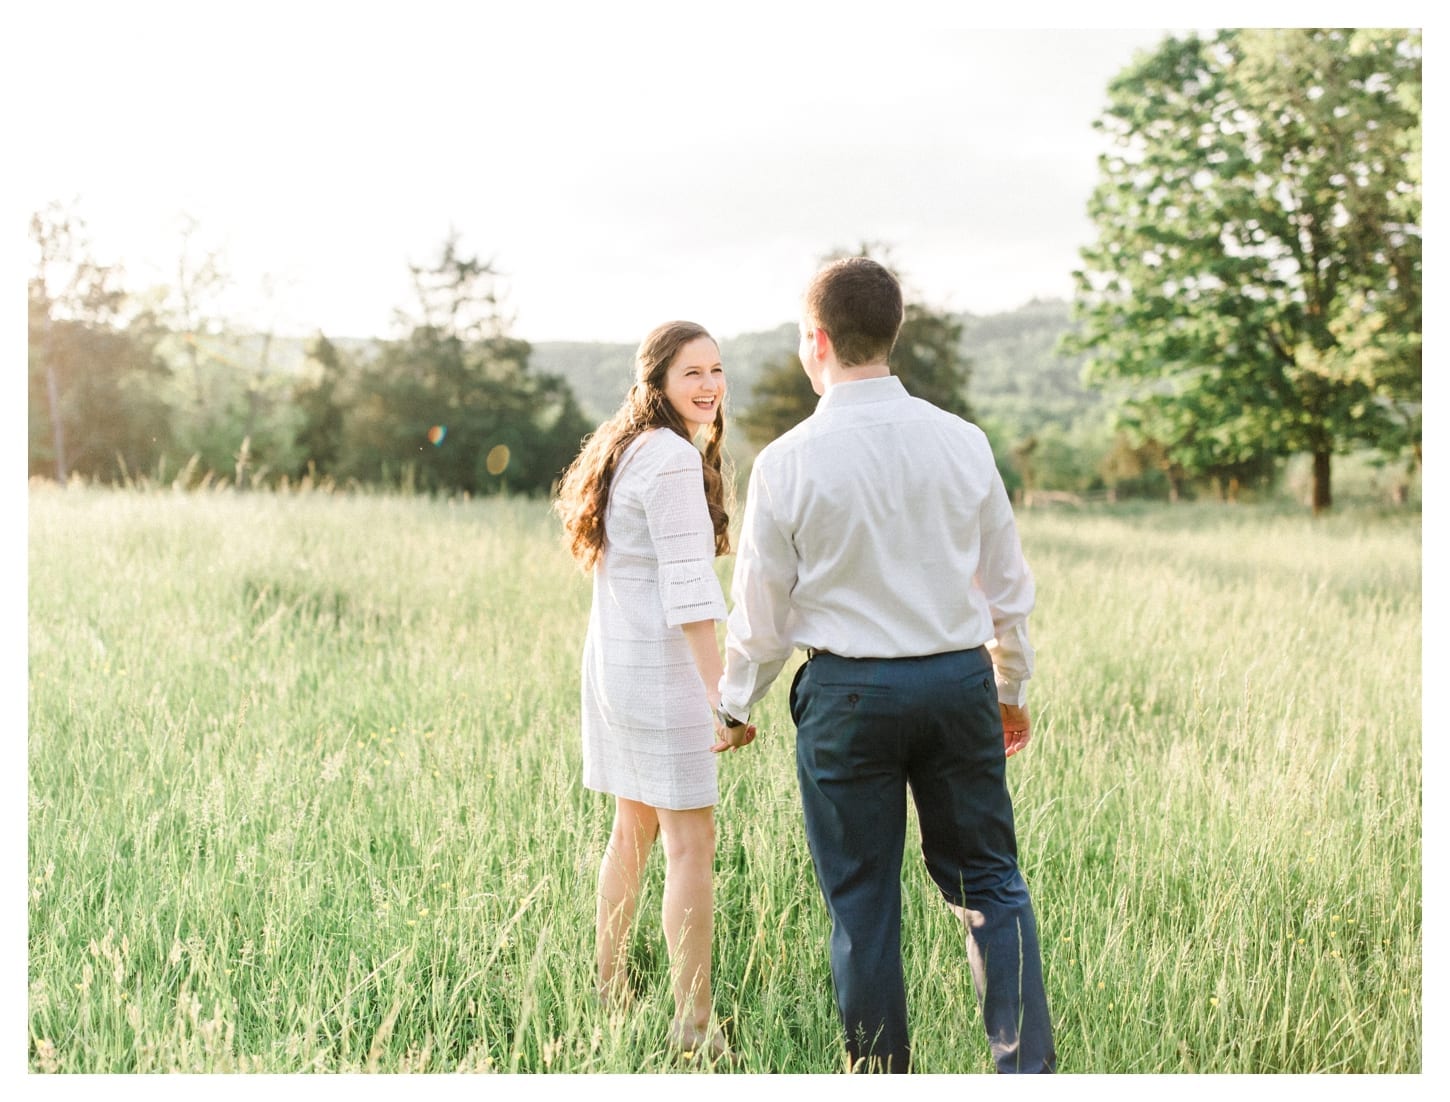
(233, 412)
(1021, 377)
(319, 396)
(1255, 284)
(95, 379)
(301, 800)
(928, 359)
(108, 383)
(781, 399)
(453, 405)
(450, 406)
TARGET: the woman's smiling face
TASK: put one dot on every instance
(695, 382)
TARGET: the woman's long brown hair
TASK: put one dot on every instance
(584, 492)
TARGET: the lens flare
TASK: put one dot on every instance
(498, 458)
(436, 434)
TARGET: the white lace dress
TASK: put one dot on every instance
(646, 721)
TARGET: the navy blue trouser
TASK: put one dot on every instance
(867, 730)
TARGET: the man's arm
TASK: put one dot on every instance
(1011, 594)
(757, 641)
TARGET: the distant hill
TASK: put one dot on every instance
(1019, 380)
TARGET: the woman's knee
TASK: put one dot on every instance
(688, 835)
(636, 826)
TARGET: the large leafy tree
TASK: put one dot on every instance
(1255, 283)
(927, 358)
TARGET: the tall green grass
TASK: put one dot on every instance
(304, 796)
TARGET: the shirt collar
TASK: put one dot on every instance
(862, 391)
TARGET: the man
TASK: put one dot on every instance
(877, 536)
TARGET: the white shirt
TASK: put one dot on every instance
(876, 528)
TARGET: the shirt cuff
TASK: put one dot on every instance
(1011, 692)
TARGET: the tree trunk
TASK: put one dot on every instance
(52, 394)
(1322, 500)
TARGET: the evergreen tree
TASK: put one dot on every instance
(452, 405)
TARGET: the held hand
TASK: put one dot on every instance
(732, 738)
(1016, 727)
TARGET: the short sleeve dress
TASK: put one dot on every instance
(646, 721)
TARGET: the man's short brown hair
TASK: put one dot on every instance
(857, 302)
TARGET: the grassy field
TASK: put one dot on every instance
(304, 796)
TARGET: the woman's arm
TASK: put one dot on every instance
(706, 651)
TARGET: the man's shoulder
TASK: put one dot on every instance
(952, 421)
(786, 443)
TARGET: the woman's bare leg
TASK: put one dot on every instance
(689, 921)
(620, 874)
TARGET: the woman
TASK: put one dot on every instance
(644, 511)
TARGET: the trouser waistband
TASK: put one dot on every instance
(821, 652)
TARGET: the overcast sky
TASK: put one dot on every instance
(617, 175)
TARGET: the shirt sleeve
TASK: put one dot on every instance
(684, 540)
(1003, 574)
(757, 634)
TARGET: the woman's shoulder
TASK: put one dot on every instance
(665, 446)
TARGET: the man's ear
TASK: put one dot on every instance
(821, 340)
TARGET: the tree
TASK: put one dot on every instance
(781, 399)
(319, 400)
(1255, 282)
(95, 376)
(927, 358)
(452, 404)
(200, 278)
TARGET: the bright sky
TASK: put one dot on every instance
(617, 175)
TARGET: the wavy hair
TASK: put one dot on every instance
(584, 491)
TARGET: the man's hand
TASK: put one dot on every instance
(732, 738)
(1016, 727)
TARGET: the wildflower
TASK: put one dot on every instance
(45, 1055)
(1213, 1000)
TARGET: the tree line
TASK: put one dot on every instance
(1253, 293)
(125, 387)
